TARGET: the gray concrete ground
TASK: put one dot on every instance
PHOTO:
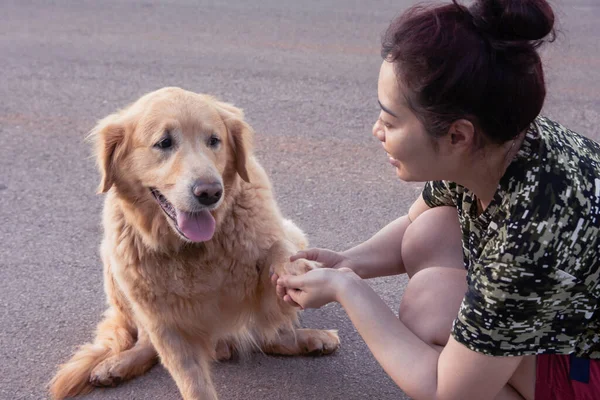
(305, 72)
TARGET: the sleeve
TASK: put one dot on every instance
(514, 307)
(439, 193)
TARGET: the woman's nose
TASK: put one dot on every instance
(378, 131)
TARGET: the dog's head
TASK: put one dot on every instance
(176, 148)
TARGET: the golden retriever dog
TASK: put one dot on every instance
(191, 232)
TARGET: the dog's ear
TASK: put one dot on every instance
(108, 136)
(240, 136)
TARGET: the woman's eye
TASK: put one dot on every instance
(213, 141)
(385, 124)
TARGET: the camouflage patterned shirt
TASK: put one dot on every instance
(533, 255)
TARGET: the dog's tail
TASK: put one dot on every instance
(113, 335)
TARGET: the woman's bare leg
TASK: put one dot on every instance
(433, 257)
(433, 238)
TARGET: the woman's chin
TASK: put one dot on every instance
(405, 176)
(401, 173)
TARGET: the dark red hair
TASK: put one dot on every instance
(479, 63)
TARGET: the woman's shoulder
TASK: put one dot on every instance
(557, 173)
(552, 202)
(565, 148)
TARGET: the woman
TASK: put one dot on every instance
(502, 247)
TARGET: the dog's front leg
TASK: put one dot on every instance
(187, 361)
(278, 259)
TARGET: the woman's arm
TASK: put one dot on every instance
(418, 369)
(381, 255)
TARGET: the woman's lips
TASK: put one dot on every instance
(391, 159)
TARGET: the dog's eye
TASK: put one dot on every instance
(214, 141)
(164, 143)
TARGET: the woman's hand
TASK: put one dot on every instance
(327, 259)
(317, 287)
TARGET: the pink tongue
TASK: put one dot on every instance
(197, 227)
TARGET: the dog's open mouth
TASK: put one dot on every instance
(197, 226)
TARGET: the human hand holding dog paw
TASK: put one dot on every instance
(317, 287)
(280, 262)
(323, 257)
(293, 267)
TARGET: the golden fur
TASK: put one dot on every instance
(182, 302)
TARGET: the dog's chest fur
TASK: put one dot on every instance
(197, 279)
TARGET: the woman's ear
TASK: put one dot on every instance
(461, 134)
(240, 136)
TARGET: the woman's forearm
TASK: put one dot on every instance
(409, 361)
(381, 255)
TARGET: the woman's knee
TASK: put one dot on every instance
(431, 301)
(433, 239)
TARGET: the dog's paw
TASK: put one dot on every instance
(321, 342)
(299, 267)
(108, 373)
(224, 351)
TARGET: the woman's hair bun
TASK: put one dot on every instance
(513, 20)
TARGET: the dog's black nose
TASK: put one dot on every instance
(207, 193)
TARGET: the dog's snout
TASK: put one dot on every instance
(207, 193)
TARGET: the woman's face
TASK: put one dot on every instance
(409, 147)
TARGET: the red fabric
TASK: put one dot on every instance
(553, 380)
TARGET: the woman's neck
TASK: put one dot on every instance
(485, 170)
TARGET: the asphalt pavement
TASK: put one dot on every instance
(305, 72)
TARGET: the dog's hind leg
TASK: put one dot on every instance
(127, 364)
